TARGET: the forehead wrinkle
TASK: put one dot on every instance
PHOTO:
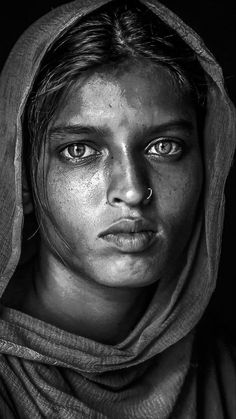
(128, 100)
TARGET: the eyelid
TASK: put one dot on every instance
(162, 139)
(81, 142)
(166, 139)
(79, 158)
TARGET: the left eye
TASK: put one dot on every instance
(165, 148)
(78, 151)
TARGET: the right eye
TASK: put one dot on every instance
(77, 152)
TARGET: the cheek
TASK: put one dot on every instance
(178, 193)
(73, 199)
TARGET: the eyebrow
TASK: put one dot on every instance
(73, 129)
(181, 123)
(60, 130)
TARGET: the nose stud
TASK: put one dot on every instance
(149, 194)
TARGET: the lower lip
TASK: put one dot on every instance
(131, 242)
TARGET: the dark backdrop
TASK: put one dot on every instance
(215, 21)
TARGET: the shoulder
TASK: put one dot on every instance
(215, 355)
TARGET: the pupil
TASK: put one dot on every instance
(76, 150)
(165, 147)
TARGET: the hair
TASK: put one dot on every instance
(112, 34)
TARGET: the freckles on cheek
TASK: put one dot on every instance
(179, 195)
(71, 191)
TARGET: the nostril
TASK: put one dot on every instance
(117, 200)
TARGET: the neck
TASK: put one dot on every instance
(84, 307)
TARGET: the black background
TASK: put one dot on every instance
(215, 21)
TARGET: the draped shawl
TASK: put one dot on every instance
(152, 373)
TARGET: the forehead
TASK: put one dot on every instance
(133, 90)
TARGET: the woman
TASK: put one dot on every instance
(119, 115)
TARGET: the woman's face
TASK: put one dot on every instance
(116, 135)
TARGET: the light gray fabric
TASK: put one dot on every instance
(47, 372)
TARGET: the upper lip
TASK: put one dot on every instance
(129, 225)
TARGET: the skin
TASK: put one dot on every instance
(83, 283)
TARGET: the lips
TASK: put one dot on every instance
(130, 235)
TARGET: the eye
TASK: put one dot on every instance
(165, 148)
(78, 151)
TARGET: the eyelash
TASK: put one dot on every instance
(175, 150)
(65, 152)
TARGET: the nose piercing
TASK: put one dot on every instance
(149, 194)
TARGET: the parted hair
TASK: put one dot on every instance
(112, 34)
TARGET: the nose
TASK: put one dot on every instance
(128, 183)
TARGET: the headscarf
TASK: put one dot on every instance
(52, 373)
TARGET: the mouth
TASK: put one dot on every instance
(130, 235)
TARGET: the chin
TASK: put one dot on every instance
(128, 278)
